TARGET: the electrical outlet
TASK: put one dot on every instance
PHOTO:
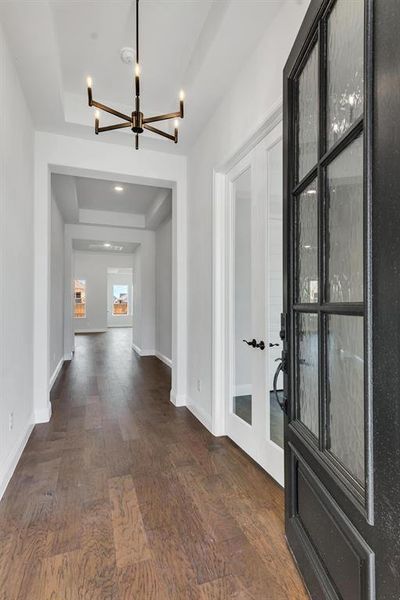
(11, 421)
(199, 385)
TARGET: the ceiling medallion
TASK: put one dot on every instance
(137, 121)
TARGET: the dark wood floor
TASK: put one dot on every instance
(123, 496)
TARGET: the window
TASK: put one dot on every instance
(120, 300)
(79, 298)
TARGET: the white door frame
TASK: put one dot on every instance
(221, 334)
(71, 155)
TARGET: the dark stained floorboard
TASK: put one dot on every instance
(122, 496)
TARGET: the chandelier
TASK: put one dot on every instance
(137, 122)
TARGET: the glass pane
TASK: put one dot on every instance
(242, 395)
(274, 287)
(307, 370)
(120, 300)
(308, 115)
(307, 245)
(345, 67)
(345, 374)
(345, 225)
(79, 298)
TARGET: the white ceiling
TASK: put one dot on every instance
(98, 246)
(99, 194)
(95, 201)
(199, 45)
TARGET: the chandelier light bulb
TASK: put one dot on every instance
(181, 95)
(97, 115)
(137, 69)
(89, 90)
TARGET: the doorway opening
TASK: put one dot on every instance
(113, 265)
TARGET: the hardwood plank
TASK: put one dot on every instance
(59, 577)
(142, 580)
(130, 539)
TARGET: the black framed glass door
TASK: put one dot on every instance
(333, 520)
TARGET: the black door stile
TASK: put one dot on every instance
(343, 515)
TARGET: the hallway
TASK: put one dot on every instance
(124, 496)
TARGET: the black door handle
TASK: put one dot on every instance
(272, 345)
(254, 344)
(282, 404)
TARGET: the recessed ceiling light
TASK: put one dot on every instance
(107, 245)
(118, 188)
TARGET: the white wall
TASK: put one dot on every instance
(244, 108)
(56, 290)
(164, 289)
(16, 266)
(92, 267)
(119, 279)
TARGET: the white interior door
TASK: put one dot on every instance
(254, 419)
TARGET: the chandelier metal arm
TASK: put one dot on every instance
(112, 127)
(166, 117)
(110, 110)
(160, 132)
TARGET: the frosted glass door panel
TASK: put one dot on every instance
(307, 370)
(242, 368)
(345, 225)
(307, 245)
(308, 115)
(345, 367)
(345, 67)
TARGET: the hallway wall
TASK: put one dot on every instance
(56, 290)
(16, 267)
(163, 237)
(256, 90)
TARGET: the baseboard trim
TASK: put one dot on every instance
(43, 415)
(56, 373)
(200, 414)
(141, 352)
(78, 331)
(136, 349)
(164, 359)
(12, 459)
(68, 356)
(177, 399)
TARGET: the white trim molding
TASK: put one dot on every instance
(9, 465)
(163, 358)
(177, 399)
(56, 373)
(142, 352)
(43, 415)
(200, 414)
